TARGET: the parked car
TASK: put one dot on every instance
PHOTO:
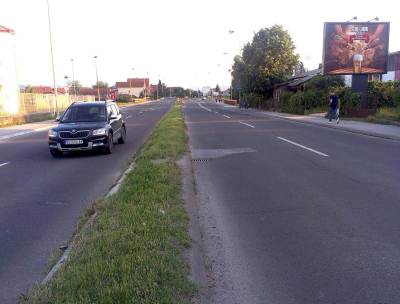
(88, 126)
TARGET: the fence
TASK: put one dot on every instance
(44, 103)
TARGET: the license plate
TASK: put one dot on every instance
(73, 142)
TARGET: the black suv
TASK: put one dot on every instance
(88, 126)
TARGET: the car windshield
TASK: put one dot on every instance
(84, 114)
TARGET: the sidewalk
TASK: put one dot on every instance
(366, 128)
(18, 130)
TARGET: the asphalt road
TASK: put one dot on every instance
(293, 213)
(41, 198)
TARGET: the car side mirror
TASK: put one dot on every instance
(113, 117)
(58, 118)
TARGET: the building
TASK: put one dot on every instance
(9, 88)
(43, 90)
(133, 87)
(105, 93)
(294, 84)
(393, 67)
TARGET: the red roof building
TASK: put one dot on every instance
(45, 90)
(133, 83)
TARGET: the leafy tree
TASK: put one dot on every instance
(217, 88)
(268, 60)
(74, 87)
(299, 68)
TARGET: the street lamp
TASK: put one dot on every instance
(352, 19)
(230, 71)
(66, 81)
(73, 77)
(97, 78)
(374, 19)
(130, 85)
(56, 112)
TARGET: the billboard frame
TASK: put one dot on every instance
(356, 23)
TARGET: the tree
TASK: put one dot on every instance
(268, 60)
(74, 87)
(100, 84)
(299, 68)
(217, 88)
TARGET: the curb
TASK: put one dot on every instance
(343, 128)
(114, 188)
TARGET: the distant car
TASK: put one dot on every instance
(203, 98)
(88, 126)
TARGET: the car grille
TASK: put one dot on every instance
(74, 135)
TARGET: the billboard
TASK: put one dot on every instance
(355, 48)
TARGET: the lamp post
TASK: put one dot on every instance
(230, 71)
(66, 81)
(374, 19)
(56, 112)
(73, 77)
(97, 78)
(352, 19)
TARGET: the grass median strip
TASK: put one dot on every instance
(132, 253)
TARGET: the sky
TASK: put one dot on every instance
(181, 42)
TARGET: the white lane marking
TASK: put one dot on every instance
(226, 116)
(43, 128)
(301, 146)
(246, 124)
(129, 116)
(24, 132)
(204, 108)
(216, 112)
(3, 164)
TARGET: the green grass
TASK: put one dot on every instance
(386, 114)
(132, 253)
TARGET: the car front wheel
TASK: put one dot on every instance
(110, 144)
(122, 139)
(55, 153)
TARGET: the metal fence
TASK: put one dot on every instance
(44, 103)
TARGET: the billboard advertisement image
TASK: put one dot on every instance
(355, 48)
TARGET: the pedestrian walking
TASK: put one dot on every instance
(334, 106)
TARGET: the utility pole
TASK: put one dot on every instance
(97, 79)
(56, 111)
(73, 77)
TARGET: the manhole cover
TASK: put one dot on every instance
(200, 160)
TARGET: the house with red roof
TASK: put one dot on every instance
(45, 90)
(133, 86)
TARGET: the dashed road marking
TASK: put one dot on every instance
(226, 116)
(4, 164)
(304, 147)
(246, 124)
(204, 108)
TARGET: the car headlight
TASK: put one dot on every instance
(52, 133)
(101, 131)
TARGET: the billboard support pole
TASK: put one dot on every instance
(359, 84)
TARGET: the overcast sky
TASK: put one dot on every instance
(181, 41)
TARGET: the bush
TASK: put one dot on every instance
(324, 83)
(299, 102)
(348, 99)
(124, 98)
(383, 94)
